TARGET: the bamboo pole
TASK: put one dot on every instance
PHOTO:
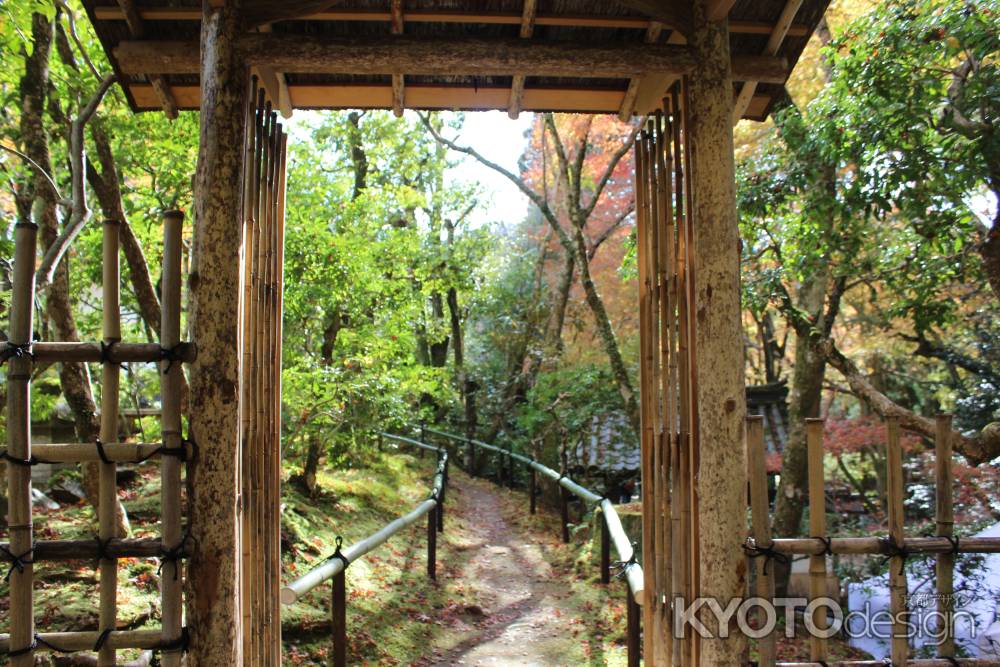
(645, 348)
(760, 525)
(818, 651)
(107, 480)
(22, 625)
(877, 545)
(88, 550)
(170, 389)
(53, 352)
(85, 641)
(117, 452)
(897, 575)
(945, 518)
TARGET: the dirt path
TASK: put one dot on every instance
(520, 614)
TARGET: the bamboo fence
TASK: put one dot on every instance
(263, 257)
(668, 433)
(896, 547)
(21, 552)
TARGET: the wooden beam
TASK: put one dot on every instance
(427, 97)
(439, 16)
(273, 83)
(517, 85)
(440, 57)
(396, 13)
(673, 13)
(628, 104)
(136, 27)
(778, 35)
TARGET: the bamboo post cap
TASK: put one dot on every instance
(173, 214)
(111, 221)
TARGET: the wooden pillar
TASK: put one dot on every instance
(432, 544)
(338, 610)
(564, 513)
(605, 551)
(945, 519)
(213, 591)
(634, 619)
(533, 491)
(717, 350)
(818, 650)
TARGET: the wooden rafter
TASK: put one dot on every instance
(159, 84)
(673, 13)
(628, 104)
(440, 16)
(398, 84)
(716, 10)
(442, 57)
(517, 85)
(778, 35)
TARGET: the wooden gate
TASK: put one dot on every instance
(260, 462)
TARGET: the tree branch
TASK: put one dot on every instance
(80, 213)
(615, 159)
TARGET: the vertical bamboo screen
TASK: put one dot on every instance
(669, 453)
(261, 382)
(22, 553)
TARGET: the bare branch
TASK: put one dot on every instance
(80, 213)
(615, 159)
(607, 233)
(41, 172)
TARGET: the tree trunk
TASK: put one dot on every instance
(213, 613)
(607, 335)
(720, 481)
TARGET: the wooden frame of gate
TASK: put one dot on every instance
(231, 581)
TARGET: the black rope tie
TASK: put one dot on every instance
(624, 565)
(752, 550)
(951, 661)
(106, 351)
(822, 663)
(894, 550)
(102, 639)
(170, 355)
(17, 562)
(100, 452)
(181, 643)
(24, 650)
(954, 552)
(339, 542)
(15, 351)
(102, 550)
(827, 544)
(173, 554)
(24, 463)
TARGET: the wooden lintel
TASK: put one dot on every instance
(273, 83)
(441, 16)
(441, 57)
(428, 97)
(528, 14)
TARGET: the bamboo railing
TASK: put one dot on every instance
(22, 551)
(896, 547)
(612, 532)
(334, 566)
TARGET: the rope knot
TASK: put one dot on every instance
(753, 550)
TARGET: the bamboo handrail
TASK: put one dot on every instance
(626, 553)
(334, 565)
(116, 452)
(66, 642)
(808, 546)
(46, 550)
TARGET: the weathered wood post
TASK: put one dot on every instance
(605, 552)
(213, 586)
(533, 490)
(510, 465)
(900, 644)
(634, 615)
(432, 544)
(439, 510)
(719, 403)
(818, 651)
(564, 513)
(338, 624)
